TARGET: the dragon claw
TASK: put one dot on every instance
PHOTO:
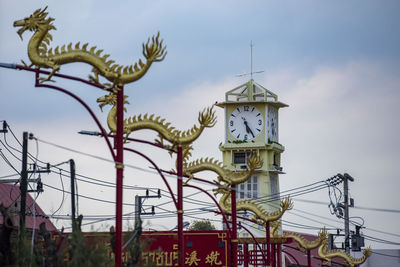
(43, 80)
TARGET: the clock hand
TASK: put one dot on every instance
(248, 130)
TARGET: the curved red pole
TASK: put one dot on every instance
(158, 170)
(104, 133)
(293, 257)
(216, 203)
(139, 141)
(118, 142)
(21, 67)
(194, 178)
(255, 240)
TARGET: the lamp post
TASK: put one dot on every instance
(117, 155)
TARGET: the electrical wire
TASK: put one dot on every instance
(8, 162)
(265, 200)
(19, 142)
(355, 207)
(91, 198)
(112, 161)
(386, 255)
(9, 151)
(8, 176)
(9, 191)
(289, 192)
(379, 240)
(63, 195)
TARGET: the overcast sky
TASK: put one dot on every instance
(335, 63)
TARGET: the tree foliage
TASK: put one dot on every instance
(201, 225)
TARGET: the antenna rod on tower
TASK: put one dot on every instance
(251, 64)
(251, 59)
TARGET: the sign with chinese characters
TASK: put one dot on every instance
(202, 248)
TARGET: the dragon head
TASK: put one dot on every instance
(110, 99)
(207, 117)
(34, 21)
(221, 190)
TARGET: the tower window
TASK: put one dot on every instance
(240, 157)
(248, 189)
(274, 185)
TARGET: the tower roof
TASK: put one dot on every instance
(252, 92)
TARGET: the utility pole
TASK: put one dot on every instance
(139, 207)
(23, 184)
(72, 171)
(346, 178)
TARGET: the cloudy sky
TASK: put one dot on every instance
(335, 63)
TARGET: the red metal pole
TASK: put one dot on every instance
(88, 109)
(181, 244)
(217, 204)
(279, 255)
(268, 237)
(273, 255)
(119, 147)
(309, 258)
(246, 255)
(256, 244)
(234, 228)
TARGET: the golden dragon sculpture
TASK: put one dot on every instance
(328, 255)
(41, 56)
(224, 175)
(249, 205)
(303, 244)
(165, 131)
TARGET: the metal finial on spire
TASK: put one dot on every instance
(251, 64)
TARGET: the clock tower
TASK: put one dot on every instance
(251, 127)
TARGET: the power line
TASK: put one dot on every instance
(8, 162)
(91, 198)
(305, 189)
(379, 240)
(8, 176)
(386, 255)
(280, 195)
(355, 207)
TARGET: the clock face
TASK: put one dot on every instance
(245, 122)
(272, 125)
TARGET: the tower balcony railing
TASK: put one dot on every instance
(275, 169)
